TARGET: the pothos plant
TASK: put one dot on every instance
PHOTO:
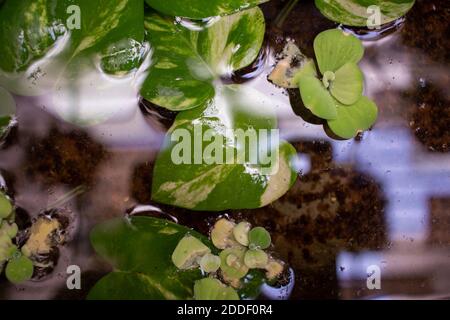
(184, 75)
(7, 111)
(184, 264)
(334, 92)
(360, 13)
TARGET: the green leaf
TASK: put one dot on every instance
(7, 110)
(334, 48)
(6, 207)
(356, 13)
(253, 282)
(186, 62)
(213, 289)
(140, 250)
(19, 269)
(8, 104)
(316, 98)
(40, 24)
(72, 60)
(198, 175)
(120, 285)
(200, 9)
(355, 118)
(347, 87)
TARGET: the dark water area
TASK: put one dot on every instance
(381, 199)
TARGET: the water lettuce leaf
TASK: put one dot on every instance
(317, 98)
(334, 48)
(347, 87)
(185, 62)
(354, 119)
(336, 93)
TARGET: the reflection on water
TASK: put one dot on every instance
(381, 199)
(376, 34)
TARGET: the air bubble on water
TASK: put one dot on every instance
(422, 82)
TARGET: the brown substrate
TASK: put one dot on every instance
(430, 118)
(68, 158)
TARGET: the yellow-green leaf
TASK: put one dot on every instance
(347, 87)
(334, 48)
(316, 98)
(353, 119)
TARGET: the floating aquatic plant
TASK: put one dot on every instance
(18, 267)
(185, 76)
(233, 263)
(335, 92)
(173, 269)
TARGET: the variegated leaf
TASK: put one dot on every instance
(68, 51)
(362, 13)
(145, 271)
(185, 62)
(203, 166)
(200, 9)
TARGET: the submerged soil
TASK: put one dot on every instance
(382, 198)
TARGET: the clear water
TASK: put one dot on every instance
(382, 199)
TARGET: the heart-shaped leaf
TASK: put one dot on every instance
(334, 48)
(347, 87)
(363, 13)
(213, 289)
(355, 118)
(120, 285)
(186, 62)
(317, 98)
(204, 167)
(200, 9)
(140, 250)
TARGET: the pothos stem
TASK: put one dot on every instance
(279, 21)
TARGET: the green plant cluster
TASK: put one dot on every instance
(18, 267)
(143, 252)
(242, 248)
(334, 92)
